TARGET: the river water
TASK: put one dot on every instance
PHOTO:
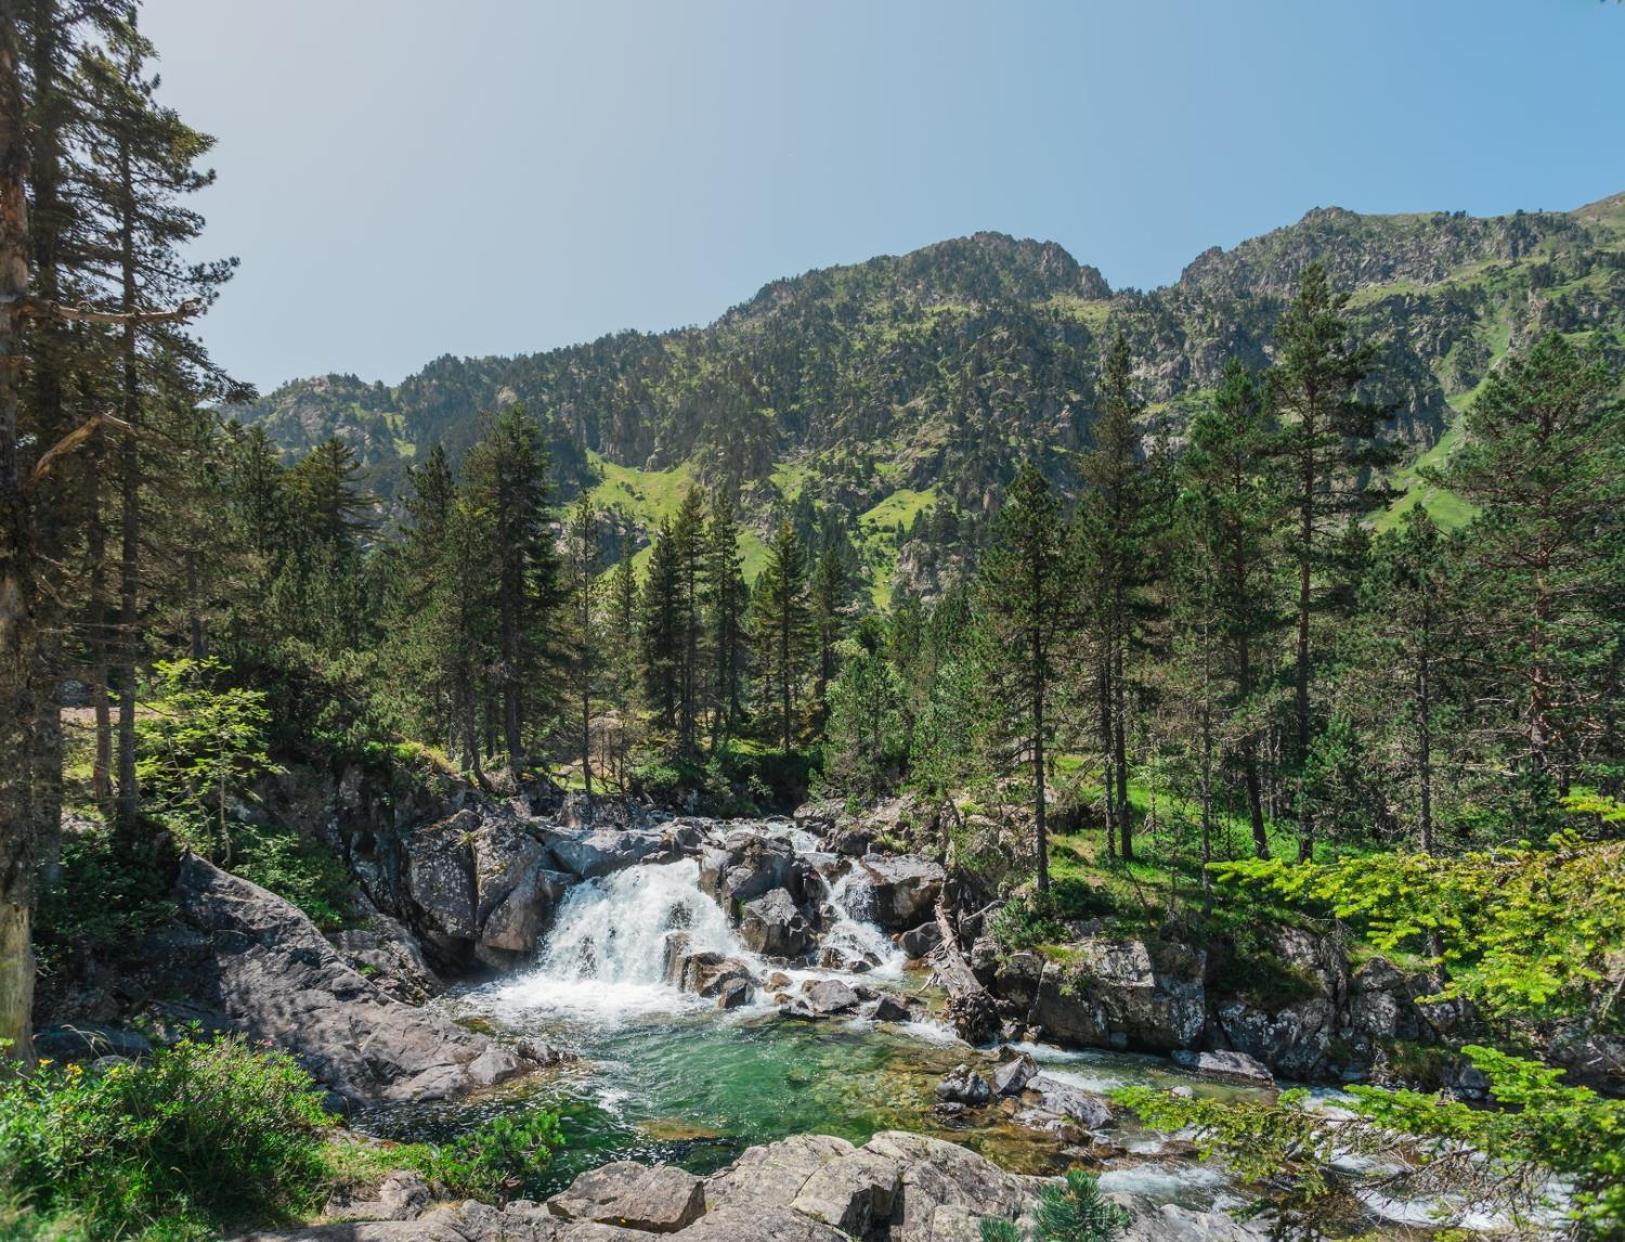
(663, 1075)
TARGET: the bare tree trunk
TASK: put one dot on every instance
(1103, 685)
(19, 654)
(1040, 809)
(129, 794)
(1125, 816)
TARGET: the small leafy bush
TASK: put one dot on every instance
(505, 1158)
(200, 1137)
(1025, 923)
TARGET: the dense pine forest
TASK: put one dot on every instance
(1277, 607)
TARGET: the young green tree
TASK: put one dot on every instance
(1023, 596)
(1545, 465)
(864, 743)
(622, 642)
(829, 602)
(781, 624)
(688, 547)
(1329, 445)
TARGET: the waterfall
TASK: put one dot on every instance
(854, 934)
(603, 959)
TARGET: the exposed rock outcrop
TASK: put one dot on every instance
(261, 966)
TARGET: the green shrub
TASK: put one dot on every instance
(200, 1137)
(1027, 922)
(505, 1158)
(300, 870)
(1073, 1210)
(102, 902)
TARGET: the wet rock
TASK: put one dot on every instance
(1235, 1067)
(1168, 1222)
(817, 817)
(601, 851)
(902, 889)
(921, 940)
(748, 865)
(1089, 1111)
(1294, 1040)
(734, 994)
(777, 981)
(964, 1086)
(263, 968)
(440, 878)
(830, 996)
(663, 1199)
(704, 973)
(773, 926)
(1012, 1077)
(889, 1009)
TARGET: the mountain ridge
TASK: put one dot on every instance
(933, 373)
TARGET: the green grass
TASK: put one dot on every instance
(877, 525)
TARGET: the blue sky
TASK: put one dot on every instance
(403, 179)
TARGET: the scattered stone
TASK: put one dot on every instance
(734, 994)
(1089, 1111)
(889, 1009)
(964, 1086)
(1012, 1077)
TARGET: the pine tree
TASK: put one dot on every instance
(726, 599)
(1023, 593)
(1231, 508)
(1109, 530)
(581, 562)
(1329, 445)
(140, 167)
(506, 477)
(621, 646)
(660, 629)
(829, 601)
(1545, 465)
(781, 621)
(688, 547)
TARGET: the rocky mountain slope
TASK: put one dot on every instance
(881, 390)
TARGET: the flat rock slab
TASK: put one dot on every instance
(662, 1199)
(1235, 1067)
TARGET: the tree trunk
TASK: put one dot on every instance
(1103, 684)
(1306, 534)
(1125, 817)
(1424, 729)
(129, 795)
(19, 655)
(1040, 810)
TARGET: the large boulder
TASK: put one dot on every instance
(1293, 1040)
(1063, 1099)
(440, 879)
(749, 864)
(1226, 1066)
(964, 1085)
(774, 926)
(946, 1189)
(901, 891)
(1124, 994)
(594, 852)
(663, 1199)
(261, 965)
(703, 972)
(854, 1192)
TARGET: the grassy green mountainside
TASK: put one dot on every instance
(904, 391)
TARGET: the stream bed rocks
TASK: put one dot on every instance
(897, 1187)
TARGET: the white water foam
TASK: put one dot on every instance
(604, 960)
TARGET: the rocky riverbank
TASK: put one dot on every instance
(897, 1187)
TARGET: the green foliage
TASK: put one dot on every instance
(1072, 1210)
(1076, 1211)
(1040, 917)
(202, 744)
(1497, 1159)
(1525, 932)
(507, 1157)
(199, 1138)
(300, 870)
(104, 899)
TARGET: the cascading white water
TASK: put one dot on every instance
(604, 958)
(854, 935)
